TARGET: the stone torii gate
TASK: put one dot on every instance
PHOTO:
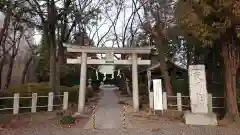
(84, 60)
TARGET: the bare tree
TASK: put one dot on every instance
(3, 37)
(34, 50)
(13, 40)
(158, 16)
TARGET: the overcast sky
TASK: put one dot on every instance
(107, 23)
(121, 22)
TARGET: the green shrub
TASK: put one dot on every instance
(238, 94)
(96, 84)
(40, 88)
(143, 89)
(67, 120)
(180, 86)
(89, 91)
(238, 101)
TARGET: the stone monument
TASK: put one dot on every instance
(199, 114)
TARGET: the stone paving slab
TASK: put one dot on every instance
(108, 110)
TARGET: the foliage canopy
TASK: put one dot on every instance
(210, 21)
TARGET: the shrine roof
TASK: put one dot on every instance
(125, 50)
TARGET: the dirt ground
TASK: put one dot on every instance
(48, 118)
(168, 119)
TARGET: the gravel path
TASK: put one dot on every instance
(108, 111)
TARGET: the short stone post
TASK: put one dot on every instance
(165, 106)
(179, 101)
(16, 103)
(151, 100)
(50, 101)
(210, 104)
(65, 100)
(97, 77)
(34, 103)
(127, 85)
(89, 83)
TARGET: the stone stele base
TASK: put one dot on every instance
(200, 119)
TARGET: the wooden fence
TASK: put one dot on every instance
(16, 99)
(180, 104)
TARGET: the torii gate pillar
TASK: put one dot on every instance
(82, 87)
(135, 82)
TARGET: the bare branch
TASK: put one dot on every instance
(115, 20)
(135, 11)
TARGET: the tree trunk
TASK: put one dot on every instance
(188, 57)
(3, 37)
(210, 67)
(52, 18)
(60, 61)
(25, 70)
(58, 74)
(9, 73)
(52, 71)
(1, 68)
(53, 59)
(167, 80)
(230, 53)
(164, 69)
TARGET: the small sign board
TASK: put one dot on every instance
(157, 94)
(151, 99)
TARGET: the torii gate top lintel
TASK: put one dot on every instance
(125, 50)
